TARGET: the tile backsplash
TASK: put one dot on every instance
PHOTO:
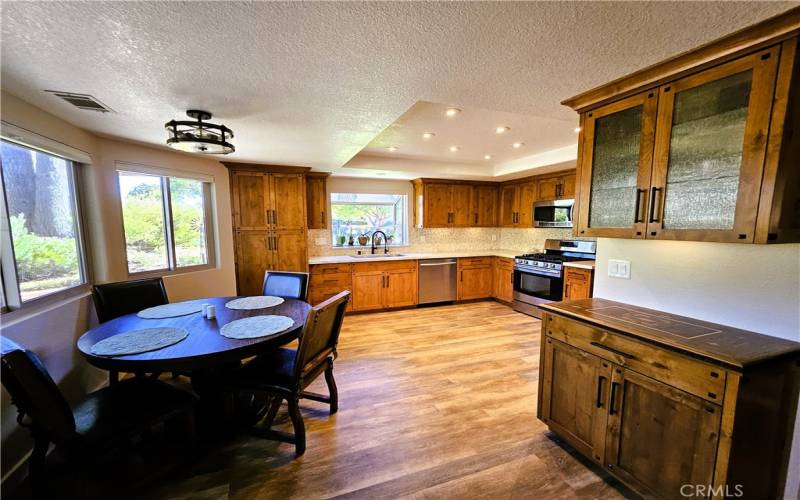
(447, 239)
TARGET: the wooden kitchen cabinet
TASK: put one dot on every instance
(577, 389)
(384, 285)
(269, 222)
(516, 204)
(475, 278)
(700, 147)
(653, 397)
(443, 204)
(317, 205)
(503, 279)
(555, 188)
(646, 415)
(485, 206)
(327, 280)
(261, 251)
(577, 283)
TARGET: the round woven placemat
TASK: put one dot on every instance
(256, 326)
(139, 341)
(257, 302)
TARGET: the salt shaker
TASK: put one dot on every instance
(211, 312)
(204, 309)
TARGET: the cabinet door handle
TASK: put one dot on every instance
(476, 217)
(612, 404)
(322, 216)
(462, 276)
(637, 208)
(274, 217)
(269, 218)
(653, 192)
(615, 351)
(269, 243)
(566, 291)
(600, 380)
(387, 281)
(275, 244)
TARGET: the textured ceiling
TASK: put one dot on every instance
(314, 83)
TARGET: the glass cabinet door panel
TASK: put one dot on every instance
(615, 168)
(705, 155)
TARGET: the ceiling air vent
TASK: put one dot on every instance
(83, 101)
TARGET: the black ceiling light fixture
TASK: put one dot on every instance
(199, 136)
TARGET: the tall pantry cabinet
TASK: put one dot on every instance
(269, 222)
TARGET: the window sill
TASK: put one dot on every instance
(45, 303)
(160, 273)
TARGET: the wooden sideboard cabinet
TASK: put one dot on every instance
(661, 400)
(701, 147)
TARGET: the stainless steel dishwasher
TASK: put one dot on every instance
(437, 280)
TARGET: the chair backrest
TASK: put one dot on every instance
(320, 333)
(113, 300)
(34, 393)
(286, 284)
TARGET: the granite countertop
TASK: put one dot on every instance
(583, 264)
(339, 259)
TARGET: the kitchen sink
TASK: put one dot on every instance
(377, 255)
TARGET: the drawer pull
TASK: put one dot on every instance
(611, 349)
(612, 405)
(600, 381)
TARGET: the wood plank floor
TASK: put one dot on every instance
(435, 402)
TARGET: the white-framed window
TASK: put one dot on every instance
(361, 214)
(167, 221)
(41, 242)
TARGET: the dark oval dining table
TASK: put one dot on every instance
(205, 348)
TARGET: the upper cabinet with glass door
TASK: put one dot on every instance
(697, 149)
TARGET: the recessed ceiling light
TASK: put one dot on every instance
(392, 148)
(577, 129)
(517, 145)
(487, 157)
(451, 112)
(453, 149)
(502, 130)
(428, 135)
(380, 173)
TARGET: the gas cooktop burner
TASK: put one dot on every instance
(543, 257)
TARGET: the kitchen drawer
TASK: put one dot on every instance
(386, 265)
(330, 268)
(504, 263)
(340, 279)
(691, 375)
(319, 294)
(474, 262)
(572, 273)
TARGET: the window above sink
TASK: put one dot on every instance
(361, 214)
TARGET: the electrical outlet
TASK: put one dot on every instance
(494, 237)
(422, 238)
(321, 241)
(619, 269)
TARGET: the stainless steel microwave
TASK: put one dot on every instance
(557, 213)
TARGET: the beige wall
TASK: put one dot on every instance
(754, 287)
(51, 331)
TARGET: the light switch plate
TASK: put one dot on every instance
(619, 269)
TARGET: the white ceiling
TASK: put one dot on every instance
(304, 83)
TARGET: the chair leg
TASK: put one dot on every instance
(299, 426)
(334, 393)
(37, 467)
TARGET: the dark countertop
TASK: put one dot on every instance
(731, 346)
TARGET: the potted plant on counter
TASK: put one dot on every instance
(363, 239)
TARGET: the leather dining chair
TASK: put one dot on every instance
(285, 373)
(112, 300)
(288, 285)
(107, 418)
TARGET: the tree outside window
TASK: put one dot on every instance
(355, 215)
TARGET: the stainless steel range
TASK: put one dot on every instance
(539, 277)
